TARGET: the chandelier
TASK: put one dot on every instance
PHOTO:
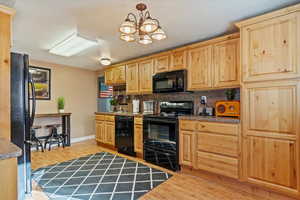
(144, 30)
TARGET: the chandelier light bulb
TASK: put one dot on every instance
(159, 34)
(145, 39)
(127, 38)
(128, 27)
(149, 26)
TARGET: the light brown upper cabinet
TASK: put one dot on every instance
(227, 63)
(162, 63)
(132, 78)
(119, 75)
(178, 59)
(145, 76)
(200, 68)
(271, 49)
(109, 76)
(115, 75)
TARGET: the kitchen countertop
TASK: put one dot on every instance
(120, 113)
(211, 119)
(8, 150)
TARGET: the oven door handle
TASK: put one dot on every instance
(160, 120)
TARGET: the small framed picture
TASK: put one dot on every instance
(42, 82)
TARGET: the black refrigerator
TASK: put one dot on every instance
(22, 117)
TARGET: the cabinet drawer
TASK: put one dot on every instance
(188, 125)
(217, 164)
(110, 118)
(216, 143)
(138, 120)
(100, 117)
(228, 129)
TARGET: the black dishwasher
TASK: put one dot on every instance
(125, 135)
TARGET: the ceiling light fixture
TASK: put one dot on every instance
(72, 45)
(147, 28)
(105, 61)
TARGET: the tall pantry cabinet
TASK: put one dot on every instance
(270, 49)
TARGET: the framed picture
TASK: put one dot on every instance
(42, 82)
(104, 90)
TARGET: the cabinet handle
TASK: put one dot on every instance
(202, 126)
(284, 41)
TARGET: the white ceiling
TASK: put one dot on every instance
(39, 24)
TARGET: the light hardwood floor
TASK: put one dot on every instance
(180, 187)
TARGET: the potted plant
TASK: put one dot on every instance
(113, 102)
(61, 104)
(230, 94)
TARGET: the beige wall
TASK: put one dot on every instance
(79, 87)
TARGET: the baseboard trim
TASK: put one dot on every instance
(80, 139)
(73, 140)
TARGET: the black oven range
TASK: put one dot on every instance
(161, 134)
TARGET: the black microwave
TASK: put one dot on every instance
(165, 82)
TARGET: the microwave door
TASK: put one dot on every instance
(164, 85)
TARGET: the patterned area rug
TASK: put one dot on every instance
(101, 176)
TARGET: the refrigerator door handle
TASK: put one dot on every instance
(32, 116)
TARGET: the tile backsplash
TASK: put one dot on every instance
(212, 97)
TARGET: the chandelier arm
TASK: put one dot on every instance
(147, 14)
(158, 25)
(134, 17)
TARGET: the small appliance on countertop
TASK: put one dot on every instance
(148, 107)
(228, 109)
(135, 106)
(205, 110)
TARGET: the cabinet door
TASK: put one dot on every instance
(178, 60)
(186, 147)
(227, 63)
(100, 131)
(271, 49)
(272, 161)
(132, 78)
(146, 72)
(271, 108)
(108, 75)
(162, 63)
(199, 68)
(119, 75)
(138, 138)
(110, 133)
(97, 131)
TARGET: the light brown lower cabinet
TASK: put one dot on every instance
(105, 129)
(110, 133)
(203, 145)
(215, 163)
(138, 135)
(8, 180)
(186, 152)
(271, 129)
(272, 161)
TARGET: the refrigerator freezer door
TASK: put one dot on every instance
(20, 120)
